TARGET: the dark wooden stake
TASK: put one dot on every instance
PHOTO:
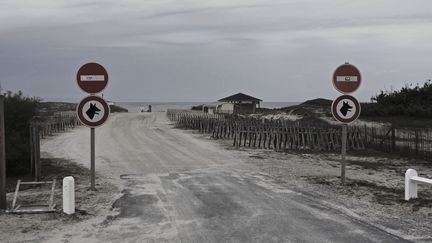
(3, 203)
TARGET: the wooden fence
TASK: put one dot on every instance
(41, 127)
(203, 122)
(411, 142)
(283, 135)
(267, 134)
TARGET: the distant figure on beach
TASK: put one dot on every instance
(345, 108)
(149, 108)
(92, 111)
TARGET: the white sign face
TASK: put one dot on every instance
(93, 111)
(92, 77)
(347, 78)
(346, 108)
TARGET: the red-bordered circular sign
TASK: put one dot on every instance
(93, 111)
(346, 78)
(92, 78)
(345, 108)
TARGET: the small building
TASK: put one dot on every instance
(218, 108)
(209, 108)
(225, 108)
(242, 104)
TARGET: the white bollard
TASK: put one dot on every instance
(410, 185)
(69, 195)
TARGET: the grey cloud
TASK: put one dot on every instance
(200, 50)
(204, 10)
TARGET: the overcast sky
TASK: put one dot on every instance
(195, 50)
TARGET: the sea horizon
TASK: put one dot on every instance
(163, 106)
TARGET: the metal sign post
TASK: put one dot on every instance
(92, 160)
(3, 203)
(93, 110)
(346, 109)
(344, 143)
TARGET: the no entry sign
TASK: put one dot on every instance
(93, 111)
(92, 78)
(345, 108)
(346, 78)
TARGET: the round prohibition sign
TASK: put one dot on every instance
(347, 78)
(92, 78)
(345, 108)
(93, 111)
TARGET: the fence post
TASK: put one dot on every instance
(365, 135)
(69, 195)
(3, 202)
(410, 186)
(393, 137)
(416, 142)
(31, 143)
(37, 154)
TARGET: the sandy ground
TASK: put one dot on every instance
(160, 184)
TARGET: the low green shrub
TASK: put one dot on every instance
(411, 101)
(19, 110)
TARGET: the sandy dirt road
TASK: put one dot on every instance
(177, 187)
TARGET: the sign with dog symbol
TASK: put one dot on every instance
(92, 78)
(346, 78)
(93, 111)
(345, 108)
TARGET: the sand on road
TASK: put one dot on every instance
(175, 187)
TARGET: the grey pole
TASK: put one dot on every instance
(3, 203)
(344, 144)
(92, 159)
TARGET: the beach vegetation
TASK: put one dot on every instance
(411, 101)
(19, 110)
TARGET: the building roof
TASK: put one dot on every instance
(239, 97)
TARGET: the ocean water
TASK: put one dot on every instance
(163, 106)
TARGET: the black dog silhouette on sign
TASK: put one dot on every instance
(92, 111)
(345, 108)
